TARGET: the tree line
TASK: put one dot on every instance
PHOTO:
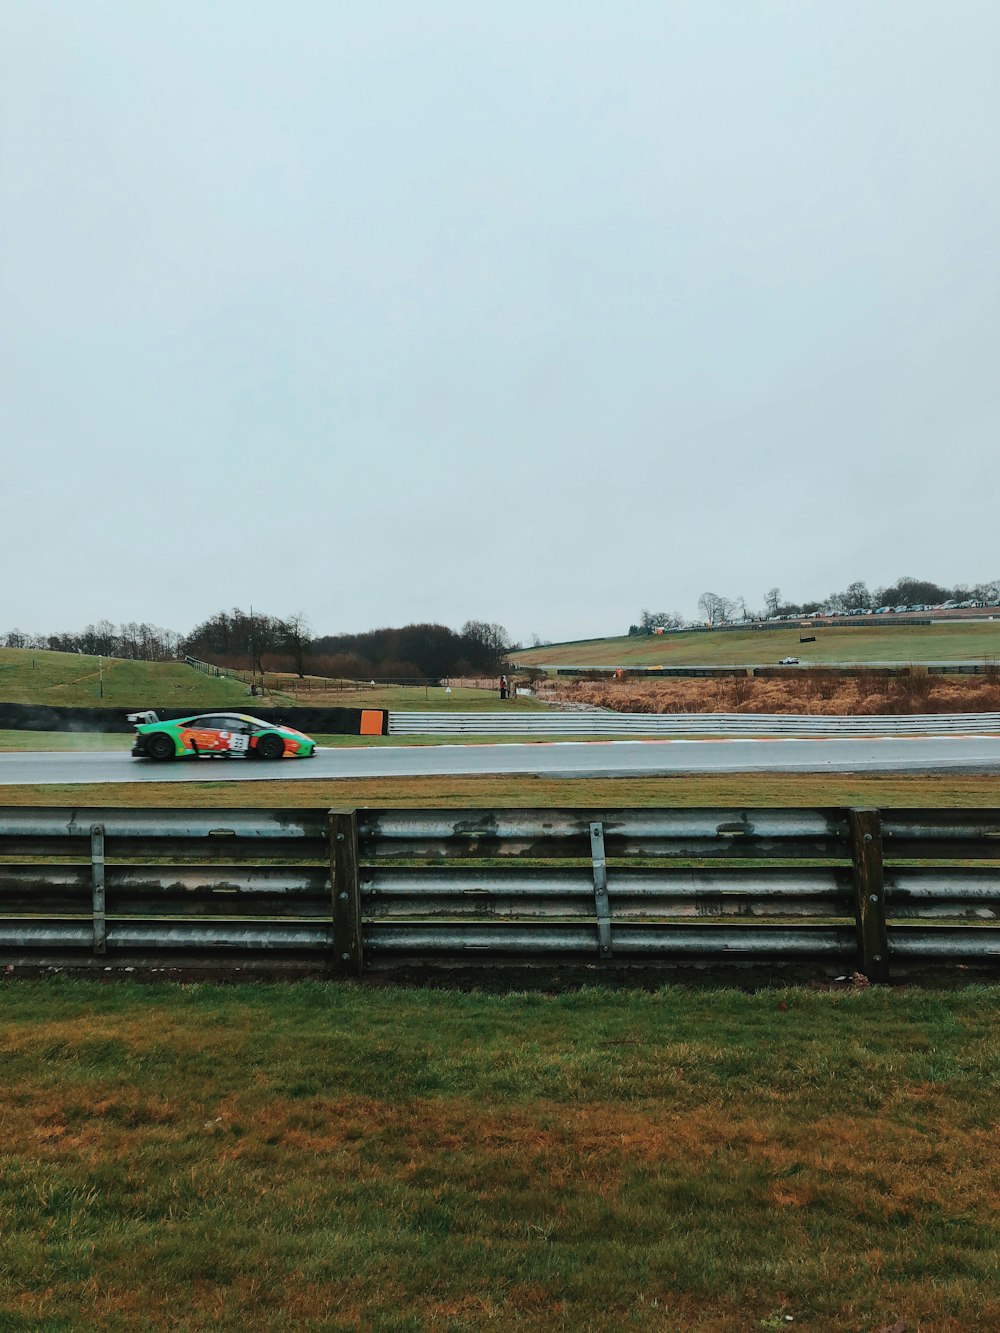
(406, 652)
(260, 642)
(138, 642)
(717, 609)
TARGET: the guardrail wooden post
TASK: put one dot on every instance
(869, 894)
(345, 884)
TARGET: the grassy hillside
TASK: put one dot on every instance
(30, 676)
(329, 1156)
(955, 641)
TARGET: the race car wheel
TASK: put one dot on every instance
(270, 747)
(161, 746)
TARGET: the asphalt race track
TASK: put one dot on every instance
(554, 759)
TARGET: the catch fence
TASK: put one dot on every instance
(347, 892)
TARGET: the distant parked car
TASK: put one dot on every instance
(223, 734)
(788, 661)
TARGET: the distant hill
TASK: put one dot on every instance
(946, 641)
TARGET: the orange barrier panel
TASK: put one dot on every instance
(372, 721)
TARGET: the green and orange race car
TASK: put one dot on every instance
(224, 734)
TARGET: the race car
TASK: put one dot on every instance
(224, 734)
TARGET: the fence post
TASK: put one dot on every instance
(869, 894)
(97, 887)
(602, 907)
(345, 884)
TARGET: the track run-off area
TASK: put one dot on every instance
(563, 759)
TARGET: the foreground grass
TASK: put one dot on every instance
(321, 1156)
(520, 790)
(949, 641)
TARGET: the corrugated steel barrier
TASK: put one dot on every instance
(599, 723)
(348, 891)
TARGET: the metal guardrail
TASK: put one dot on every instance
(210, 669)
(600, 723)
(350, 891)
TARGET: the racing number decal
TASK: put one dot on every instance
(203, 741)
(234, 741)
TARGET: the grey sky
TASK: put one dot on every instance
(538, 313)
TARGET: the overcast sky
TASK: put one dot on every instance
(535, 313)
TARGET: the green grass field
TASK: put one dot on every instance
(422, 698)
(416, 698)
(68, 679)
(955, 641)
(325, 1156)
(31, 676)
(66, 741)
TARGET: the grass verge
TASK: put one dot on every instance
(323, 1156)
(519, 790)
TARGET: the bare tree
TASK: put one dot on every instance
(493, 641)
(857, 594)
(296, 636)
(772, 601)
(650, 620)
(714, 608)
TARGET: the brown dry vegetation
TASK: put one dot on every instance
(810, 692)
